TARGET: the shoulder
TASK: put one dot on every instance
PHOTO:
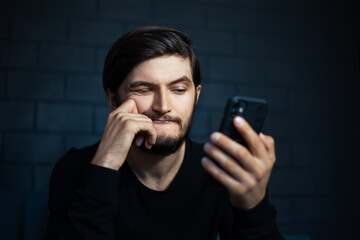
(72, 163)
(77, 156)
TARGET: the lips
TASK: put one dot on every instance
(163, 121)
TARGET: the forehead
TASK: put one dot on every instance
(161, 70)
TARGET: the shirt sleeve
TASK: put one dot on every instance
(256, 223)
(82, 207)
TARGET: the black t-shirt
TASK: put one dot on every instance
(91, 202)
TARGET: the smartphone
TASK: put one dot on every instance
(253, 110)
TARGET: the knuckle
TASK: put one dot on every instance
(260, 174)
(241, 151)
(251, 183)
(271, 140)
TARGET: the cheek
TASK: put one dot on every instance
(143, 103)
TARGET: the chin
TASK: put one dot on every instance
(165, 146)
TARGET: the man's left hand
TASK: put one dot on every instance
(245, 172)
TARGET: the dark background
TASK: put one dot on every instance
(302, 56)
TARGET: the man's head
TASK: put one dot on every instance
(156, 67)
(143, 44)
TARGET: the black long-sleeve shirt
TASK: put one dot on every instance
(91, 202)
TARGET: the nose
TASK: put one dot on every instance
(161, 103)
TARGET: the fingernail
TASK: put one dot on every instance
(262, 135)
(215, 137)
(207, 146)
(138, 142)
(147, 145)
(239, 121)
(204, 160)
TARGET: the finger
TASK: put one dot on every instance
(139, 139)
(253, 140)
(129, 106)
(234, 149)
(225, 161)
(221, 176)
(269, 143)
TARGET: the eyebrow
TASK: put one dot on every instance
(145, 83)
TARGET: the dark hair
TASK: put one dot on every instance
(142, 44)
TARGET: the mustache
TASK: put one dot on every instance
(158, 117)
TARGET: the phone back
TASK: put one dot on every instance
(253, 110)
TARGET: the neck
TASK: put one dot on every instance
(154, 171)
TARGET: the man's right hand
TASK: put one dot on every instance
(123, 125)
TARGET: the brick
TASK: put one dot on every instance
(101, 116)
(38, 28)
(101, 55)
(173, 13)
(20, 6)
(79, 141)
(42, 177)
(200, 124)
(204, 66)
(310, 100)
(284, 208)
(16, 177)
(299, 74)
(1, 147)
(11, 211)
(4, 49)
(216, 116)
(2, 84)
(236, 69)
(302, 181)
(259, 4)
(95, 32)
(212, 41)
(4, 26)
(278, 99)
(279, 125)
(64, 117)
(22, 55)
(232, 18)
(306, 49)
(281, 23)
(68, 58)
(85, 88)
(35, 85)
(32, 148)
(313, 126)
(255, 91)
(138, 10)
(77, 8)
(313, 210)
(215, 94)
(282, 152)
(19, 115)
(260, 46)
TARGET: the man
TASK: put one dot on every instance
(146, 179)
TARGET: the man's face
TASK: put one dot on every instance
(163, 90)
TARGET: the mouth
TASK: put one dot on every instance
(157, 121)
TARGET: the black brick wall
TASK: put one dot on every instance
(302, 56)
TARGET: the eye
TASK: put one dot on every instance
(179, 90)
(142, 90)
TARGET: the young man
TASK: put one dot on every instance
(146, 179)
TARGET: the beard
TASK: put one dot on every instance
(166, 146)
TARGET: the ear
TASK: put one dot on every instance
(197, 89)
(111, 99)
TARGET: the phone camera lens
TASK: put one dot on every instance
(241, 107)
